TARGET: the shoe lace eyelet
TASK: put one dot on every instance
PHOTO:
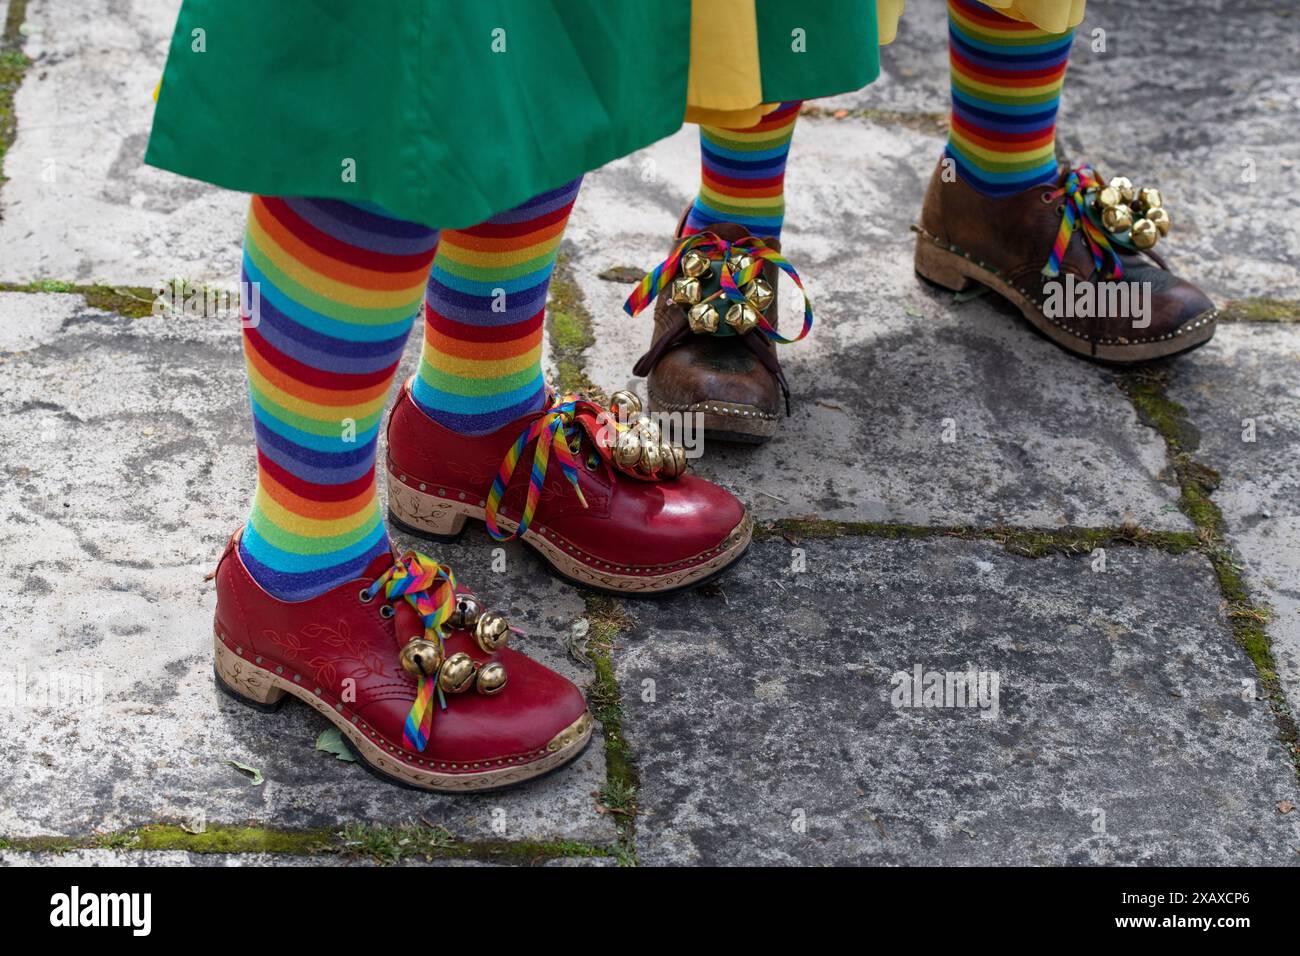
(1046, 196)
(386, 611)
(365, 597)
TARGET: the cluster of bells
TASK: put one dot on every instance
(1140, 212)
(459, 672)
(703, 315)
(641, 446)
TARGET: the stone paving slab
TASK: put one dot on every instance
(767, 706)
(1249, 379)
(84, 111)
(127, 465)
(1039, 438)
(34, 318)
(1188, 95)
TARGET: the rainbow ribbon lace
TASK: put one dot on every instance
(1078, 189)
(658, 278)
(553, 429)
(430, 588)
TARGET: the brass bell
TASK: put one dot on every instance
(740, 262)
(465, 615)
(1117, 218)
(648, 429)
(651, 457)
(742, 317)
(695, 264)
(686, 291)
(491, 679)
(625, 404)
(1124, 186)
(759, 293)
(674, 459)
(1160, 216)
(628, 450)
(1107, 197)
(1149, 198)
(457, 673)
(492, 632)
(1145, 233)
(703, 318)
(420, 658)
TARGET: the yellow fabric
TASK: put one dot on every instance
(1054, 16)
(887, 14)
(724, 85)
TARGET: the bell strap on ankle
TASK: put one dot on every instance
(618, 436)
(1110, 215)
(429, 588)
(741, 287)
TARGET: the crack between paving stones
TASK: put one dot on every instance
(380, 844)
(13, 66)
(1146, 389)
(570, 332)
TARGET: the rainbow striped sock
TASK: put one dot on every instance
(1006, 88)
(339, 287)
(742, 175)
(482, 362)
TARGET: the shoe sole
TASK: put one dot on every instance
(265, 691)
(723, 421)
(954, 270)
(443, 519)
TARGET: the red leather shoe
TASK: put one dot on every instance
(613, 511)
(412, 672)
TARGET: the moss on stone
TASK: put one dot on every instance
(134, 302)
(13, 65)
(385, 844)
(222, 839)
(1028, 542)
(569, 330)
(379, 843)
(1261, 309)
(607, 620)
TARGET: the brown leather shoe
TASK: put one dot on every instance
(1134, 310)
(706, 366)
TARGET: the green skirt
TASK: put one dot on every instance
(446, 112)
